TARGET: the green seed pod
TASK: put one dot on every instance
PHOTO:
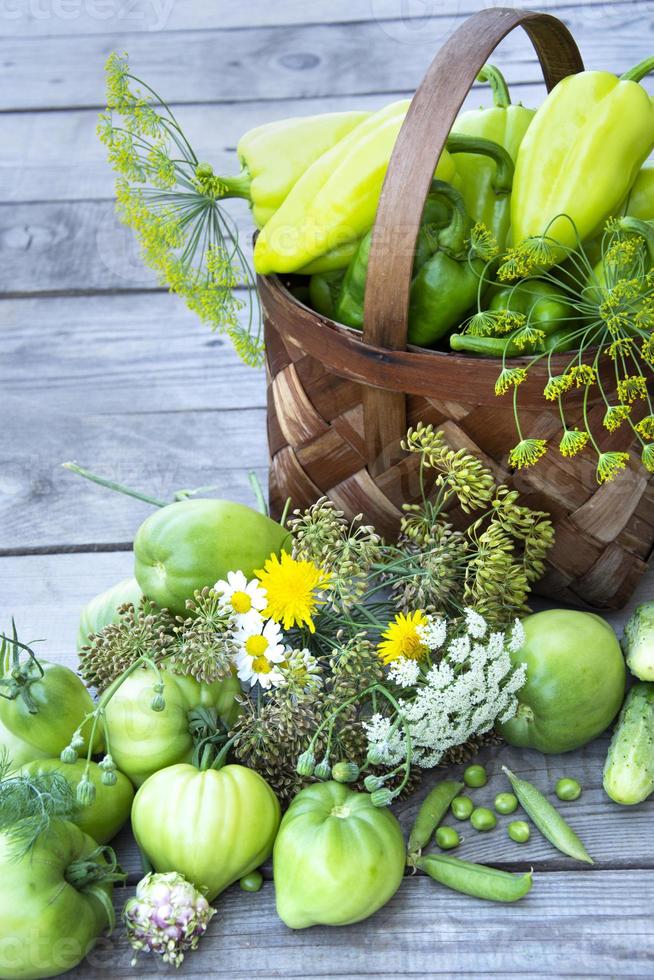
(323, 770)
(373, 782)
(68, 755)
(345, 772)
(107, 764)
(375, 756)
(85, 792)
(158, 703)
(381, 797)
(109, 778)
(306, 764)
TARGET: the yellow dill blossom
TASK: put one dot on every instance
(644, 316)
(508, 378)
(483, 242)
(645, 427)
(615, 416)
(619, 347)
(292, 590)
(582, 375)
(482, 324)
(402, 640)
(622, 253)
(528, 337)
(647, 457)
(506, 321)
(647, 350)
(556, 386)
(609, 465)
(573, 442)
(527, 258)
(527, 452)
(632, 387)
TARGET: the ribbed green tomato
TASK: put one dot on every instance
(575, 681)
(191, 544)
(59, 704)
(337, 858)
(213, 827)
(48, 924)
(103, 608)
(103, 818)
(143, 740)
(16, 750)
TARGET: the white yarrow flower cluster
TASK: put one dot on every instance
(470, 685)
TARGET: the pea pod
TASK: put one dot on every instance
(432, 810)
(548, 819)
(477, 880)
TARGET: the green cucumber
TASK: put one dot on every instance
(629, 769)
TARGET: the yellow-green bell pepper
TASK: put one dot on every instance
(640, 203)
(335, 201)
(274, 156)
(505, 124)
(581, 154)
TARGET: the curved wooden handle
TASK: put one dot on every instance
(411, 168)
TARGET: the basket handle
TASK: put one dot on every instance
(412, 164)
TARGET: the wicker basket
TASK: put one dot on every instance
(340, 401)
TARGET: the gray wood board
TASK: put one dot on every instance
(81, 17)
(286, 62)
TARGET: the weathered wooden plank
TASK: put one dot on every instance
(583, 924)
(280, 62)
(24, 18)
(120, 353)
(157, 452)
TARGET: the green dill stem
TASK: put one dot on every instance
(111, 485)
(255, 484)
(515, 412)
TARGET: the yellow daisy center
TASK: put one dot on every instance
(257, 645)
(291, 587)
(261, 665)
(241, 602)
(401, 638)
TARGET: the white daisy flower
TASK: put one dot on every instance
(242, 598)
(260, 653)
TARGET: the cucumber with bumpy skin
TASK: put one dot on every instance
(629, 769)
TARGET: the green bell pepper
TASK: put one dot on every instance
(324, 290)
(505, 124)
(640, 202)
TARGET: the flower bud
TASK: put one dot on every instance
(109, 778)
(381, 797)
(306, 764)
(323, 770)
(85, 792)
(77, 741)
(108, 764)
(158, 703)
(375, 756)
(68, 755)
(373, 782)
(345, 772)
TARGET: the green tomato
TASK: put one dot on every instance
(475, 777)
(337, 858)
(16, 750)
(506, 803)
(144, 740)
(483, 819)
(568, 789)
(58, 704)
(191, 544)
(103, 609)
(518, 830)
(103, 818)
(48, 925)
(213, 827)
(575, 681)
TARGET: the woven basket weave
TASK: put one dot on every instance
(339, 401)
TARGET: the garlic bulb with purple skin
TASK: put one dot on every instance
(167, 916)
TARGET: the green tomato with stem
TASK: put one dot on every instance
(337, 857)
(575, 681)
(190, 544)
(214, 826)
(110, 810)
(102, 610)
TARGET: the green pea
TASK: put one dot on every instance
(483, 819)
(568, 789)
(462, 807)
(518, 830)
(506, 803)
(447, 838)
(475, 776)
(252, 882)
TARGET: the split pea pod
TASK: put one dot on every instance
(477, 880)
(432, 810)
(548, 819)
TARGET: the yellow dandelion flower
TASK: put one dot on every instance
(292, 589)
(527, 452)
(401, 638)
(609, 465)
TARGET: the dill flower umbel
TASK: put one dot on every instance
(609, 465)
(527, 452)
(615, 415)
(573, 442)
(402, 638)
(292, 590)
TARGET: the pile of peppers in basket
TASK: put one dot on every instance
(509, 175)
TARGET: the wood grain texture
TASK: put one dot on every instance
(282, 62)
